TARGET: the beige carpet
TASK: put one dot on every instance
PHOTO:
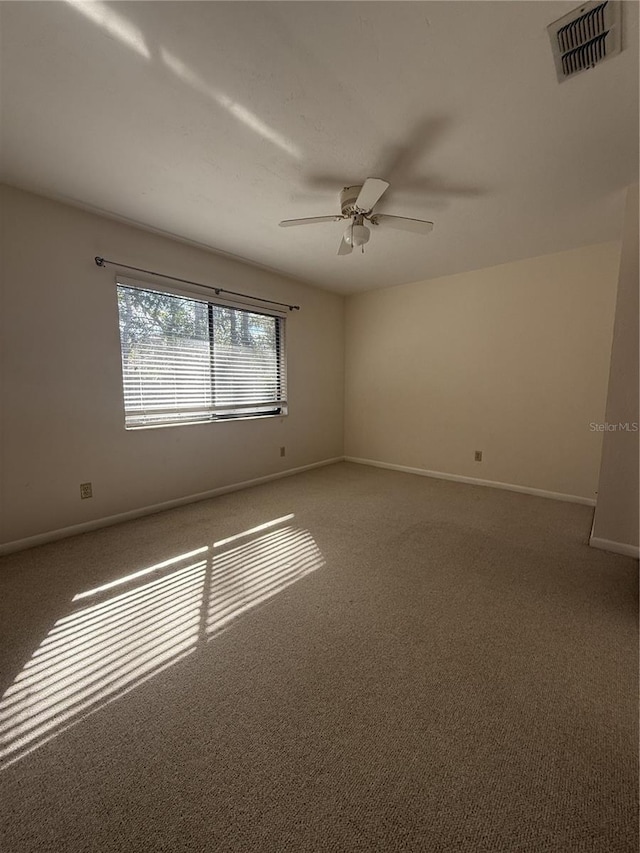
(392, 664)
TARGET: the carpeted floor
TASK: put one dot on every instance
(392, 663)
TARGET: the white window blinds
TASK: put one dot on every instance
(185, 360)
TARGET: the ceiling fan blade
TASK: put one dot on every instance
(310, 220)
(345, 248)
(403, 223)
(371, 192)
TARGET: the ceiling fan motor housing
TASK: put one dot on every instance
(348, 198)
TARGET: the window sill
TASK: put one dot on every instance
(208, 421)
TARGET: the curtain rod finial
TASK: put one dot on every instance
(99, 261)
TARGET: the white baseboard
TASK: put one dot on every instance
(108, 521)
(459, 478)
(615, 547)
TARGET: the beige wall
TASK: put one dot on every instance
(511, 360)
(62, 419)
(616, 516)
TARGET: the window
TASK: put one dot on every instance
(185, 360)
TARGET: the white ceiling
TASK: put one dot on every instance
(213, 121)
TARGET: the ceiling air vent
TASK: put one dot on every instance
(585, 37)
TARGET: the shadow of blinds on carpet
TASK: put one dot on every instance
(130, 629)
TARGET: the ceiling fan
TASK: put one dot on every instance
(356, 204)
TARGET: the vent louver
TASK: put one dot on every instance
(585, 37)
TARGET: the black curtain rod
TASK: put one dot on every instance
(101, 262)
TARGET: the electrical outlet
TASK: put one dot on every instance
(478, 456)
(282, 451)
(85, 491)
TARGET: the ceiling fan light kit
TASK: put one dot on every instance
(357, 234)
(356, 204)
